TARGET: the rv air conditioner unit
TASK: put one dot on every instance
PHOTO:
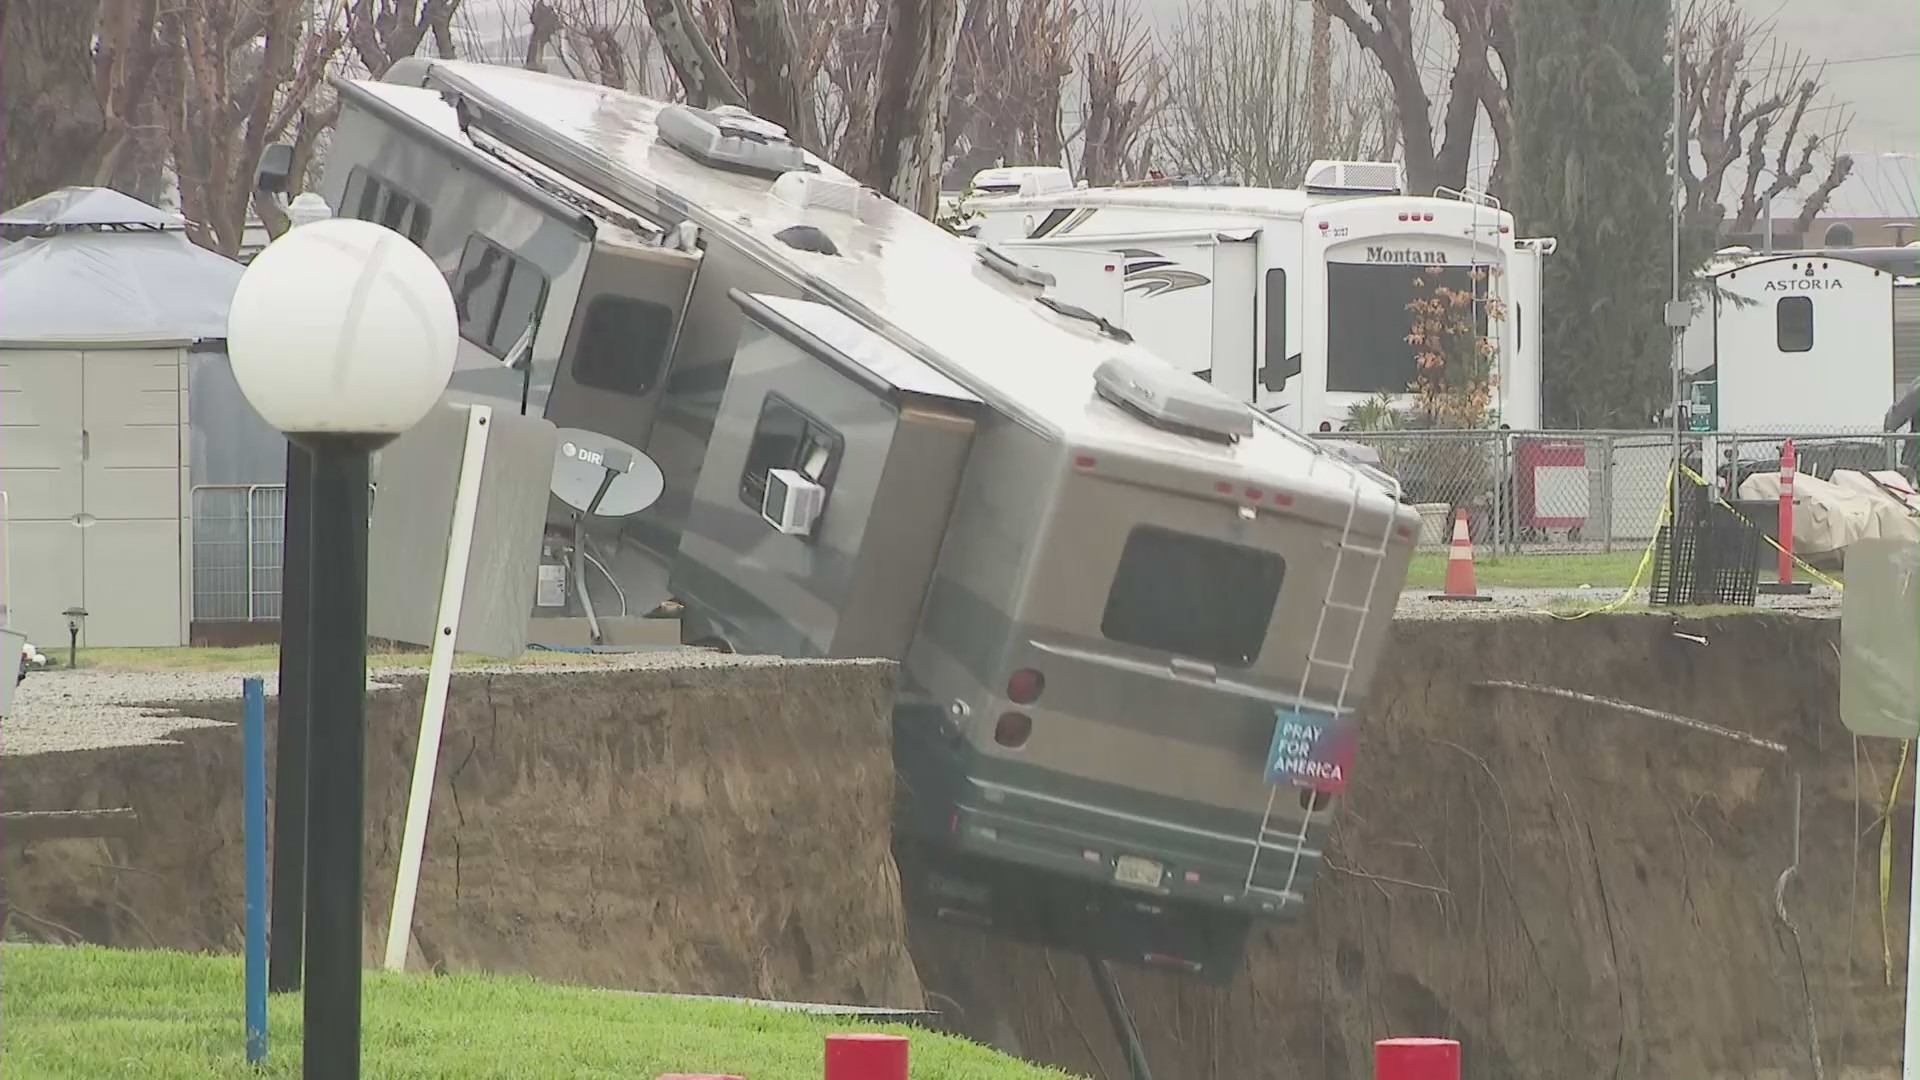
(732, 138)
(792, 502)
(1356, 178)
(1172, 400)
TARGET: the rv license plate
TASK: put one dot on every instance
(1133, 870)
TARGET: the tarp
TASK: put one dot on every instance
(105, 270)
(1831, 515)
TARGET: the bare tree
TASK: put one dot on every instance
(238, 73)
(1744, 100)
(384, 32)
(1253, 96)
(1483, 34)
(1123, 91)
(1015, 57)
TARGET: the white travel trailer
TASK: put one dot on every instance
(1292, 300)
(1133, 617)
(1796, 341)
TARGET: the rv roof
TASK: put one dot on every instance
(1247, 201)
(903, 274)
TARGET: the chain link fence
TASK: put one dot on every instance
(239, 533)
(1591, 491)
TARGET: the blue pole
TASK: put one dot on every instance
(253, 725)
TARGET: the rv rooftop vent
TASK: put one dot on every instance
(1356, 178)
(815, 191)
(732, 138)
(807, 238)
(1172, 400)
(792, 502)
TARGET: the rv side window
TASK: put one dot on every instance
(1192, 595)
(495, 295)
(623, 344)
(370, 198)
(1793, 323)
(787, 438)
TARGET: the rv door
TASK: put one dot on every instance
(613, 370)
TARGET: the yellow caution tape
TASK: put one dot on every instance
(1771, 542)
(1886, 859)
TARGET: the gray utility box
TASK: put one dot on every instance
(418, 475)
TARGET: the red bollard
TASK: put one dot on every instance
(866, 1056)
(1416, 1059)
(1785, 585)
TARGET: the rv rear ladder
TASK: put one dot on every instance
(1269, 838)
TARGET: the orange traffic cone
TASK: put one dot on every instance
(1459, 584)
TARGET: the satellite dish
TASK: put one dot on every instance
(602, 476)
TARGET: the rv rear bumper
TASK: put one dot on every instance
(1198, 854)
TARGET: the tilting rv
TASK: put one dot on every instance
(1133, 617)
(1292, 300)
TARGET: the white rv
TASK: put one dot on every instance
(1797, 341)
(1292, 300)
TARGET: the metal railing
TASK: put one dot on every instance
(1574, 491)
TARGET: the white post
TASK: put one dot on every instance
(426, 756)
(1910, 1057)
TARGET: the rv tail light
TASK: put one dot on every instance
(1192, 876)
(1403, 217)
(1083, 461)
(1426, 217)
(1324, 226)
(1503, 230)
(1254, 493)
(1281, 498)
(1224, 487)
(1025, 686)
(1013, 730)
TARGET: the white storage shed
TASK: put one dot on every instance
(102, 298)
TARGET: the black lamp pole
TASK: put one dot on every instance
(285, 938)
(337, 754)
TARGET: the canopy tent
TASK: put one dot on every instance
(91, 266)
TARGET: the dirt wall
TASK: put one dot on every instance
(1571, 891)
(709, 830)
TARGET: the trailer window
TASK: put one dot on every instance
(623, 344)
(371, 198)
(495, 295)
(1368, 322)
(1793, 323)
(1192, 595)
(788, 438)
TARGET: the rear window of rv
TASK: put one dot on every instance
(1793, 323)
(1193, 596)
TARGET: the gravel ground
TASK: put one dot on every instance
(1822, 602)
(57, 711)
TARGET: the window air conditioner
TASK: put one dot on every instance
(792, 502)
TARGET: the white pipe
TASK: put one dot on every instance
(426, 758)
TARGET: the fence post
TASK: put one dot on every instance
(248, 499)
(1606, 494)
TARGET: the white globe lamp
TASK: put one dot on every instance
(342, 335)
(342, 328)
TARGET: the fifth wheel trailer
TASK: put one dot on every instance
(1292, 300)
(1134, 617)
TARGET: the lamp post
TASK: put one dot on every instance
(342, 335)
(288, 898)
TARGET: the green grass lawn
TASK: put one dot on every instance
(91, 1013)
(1610, 570)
